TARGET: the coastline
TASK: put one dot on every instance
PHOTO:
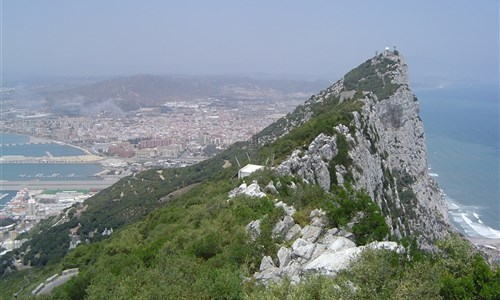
(85, 157)
(490, 247)
(41, 140)
(36, 184)
(34, 139)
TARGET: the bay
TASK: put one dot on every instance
(15, 144)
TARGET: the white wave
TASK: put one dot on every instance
(482, 230)
(468, 221)
(433, 175)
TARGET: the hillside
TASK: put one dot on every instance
(121, 95)
(344, 209)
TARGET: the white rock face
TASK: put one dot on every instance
(303, 248)
(266, 263)
(317, 249)
(283, 226)
(293, 232)
(311, 233)
(332, 262)
(284, 257)
(253, 229)
(253, 190)
(312, 166)
(389, 155)
(338, 243)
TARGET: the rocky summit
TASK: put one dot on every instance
(386, 152)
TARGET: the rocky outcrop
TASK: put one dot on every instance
(386, 151)
(253, 190)
(316, 249)
(313, 165)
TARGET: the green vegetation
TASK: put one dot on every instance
(454, 273)
(176, 235)
(327, 115)
(348, 205)
(371, 76)
(126, 202)
(196, 246)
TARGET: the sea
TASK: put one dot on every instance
(462, 136)
(14, 144)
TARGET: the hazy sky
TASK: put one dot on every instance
(442, 41)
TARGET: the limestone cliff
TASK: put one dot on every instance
(381, 150)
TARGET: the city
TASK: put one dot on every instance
(176, 131)
(175, 134)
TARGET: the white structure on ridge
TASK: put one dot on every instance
(248, 169)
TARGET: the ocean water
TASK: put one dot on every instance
(9, 138)
(6, 196)
(35, 171)
(462, 136)
(13, 144)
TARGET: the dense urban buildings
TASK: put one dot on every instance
(194, 129)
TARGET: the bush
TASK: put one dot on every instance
(347, 205)
(366, 78)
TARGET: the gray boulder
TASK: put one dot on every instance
(284, 257)
(311, 233)
(270, 189)
(303, 249)
(293, 232)
(283, 226)
(253, 229)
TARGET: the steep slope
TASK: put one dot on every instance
(380, 150)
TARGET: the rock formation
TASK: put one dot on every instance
(386, 150)
(316, 249)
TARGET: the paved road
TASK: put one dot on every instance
(55, 185)
(57, 282)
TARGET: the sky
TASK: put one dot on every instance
(443, 42)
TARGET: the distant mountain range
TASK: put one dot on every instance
(131, 93)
